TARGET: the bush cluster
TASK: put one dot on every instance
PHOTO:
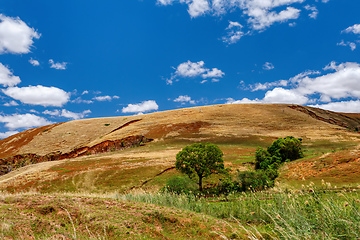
(268, 161)
(202, 160)
(281, 150)
(180, 185)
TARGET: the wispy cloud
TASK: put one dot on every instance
(355, 29)
(268, 66)
(58, 65)
(234, 33)
(105, 98)
(259, 14)
(184, 99)
(67, 114)
(80, 100)
(194, 69)
(11, 103)
(34, 62)
(314, 11)
(352, 45)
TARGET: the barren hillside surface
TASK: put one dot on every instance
(237, 128)
(221, 122)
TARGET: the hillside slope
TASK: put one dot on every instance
(236, 121)
(238, 128)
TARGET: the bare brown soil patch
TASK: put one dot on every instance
(175, 130)
(349, 121)
(342, 166)
(11, 145)
(14, 162)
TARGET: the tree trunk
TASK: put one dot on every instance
(200, 184)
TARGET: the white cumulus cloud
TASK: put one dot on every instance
(8, 134)
(343, 106)
(234, 33)
(58, 65)
(353, 29)
(194, 69)
(330, 91)
(262, 18)
(105, 98)
(244, 100)
(38, 95)
(15, 36)
(184, 99)
(80, 100)
(190, 69)
(195, 7)
(259, 14)
(34, 62)
(314, 11)
(7, 78)
(67, 114)
(265, 86)
(198, 8)
(145, 106)
(16, 121)
(11, 103)
(352, 45)
(213, 73)
(281, 95)
(342, 83)
(268, 66)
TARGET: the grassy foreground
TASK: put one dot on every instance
(85, 216)
(308, 213)
(293, 214)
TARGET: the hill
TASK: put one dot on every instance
(36, 216)
(121, 153)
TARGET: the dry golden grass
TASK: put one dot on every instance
(238, 128)
(233, 121)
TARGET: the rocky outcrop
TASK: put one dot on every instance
(330, 117)
(14, 162)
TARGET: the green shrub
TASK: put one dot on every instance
(179, 185)
(256, 180)
(281, 150)
(225, 186)
(288, 149)
(264, 160)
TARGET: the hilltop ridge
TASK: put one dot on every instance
(226, 122)
(239, 128)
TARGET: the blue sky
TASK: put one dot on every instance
(66, 60)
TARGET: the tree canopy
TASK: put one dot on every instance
(281, 150)
(200, 160)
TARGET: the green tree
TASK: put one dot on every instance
(200, 160)
(288, 149)
(281, 150)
